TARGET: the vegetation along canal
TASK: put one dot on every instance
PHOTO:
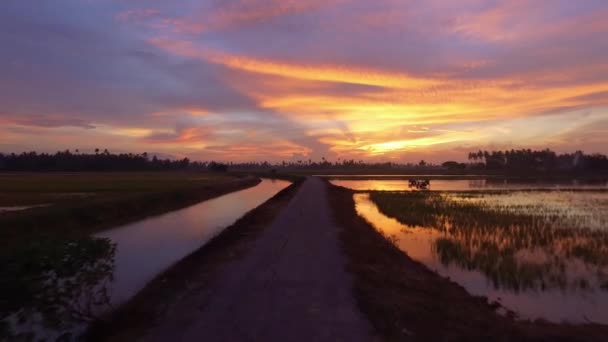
(539, 254)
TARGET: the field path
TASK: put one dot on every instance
(291, 286)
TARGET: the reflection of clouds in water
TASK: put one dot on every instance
(19, 207)
(147, 247)
(527, 265)
(460, 184)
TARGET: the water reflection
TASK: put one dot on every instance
(147, 247)
(57, 287)
(465, 184)
(563, 209)
(520, 260)
(19, 207)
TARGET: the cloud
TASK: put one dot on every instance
(270, 79)
(45, 121)
(280, 150)
(239, 14)
(184, 136)
(137, 15)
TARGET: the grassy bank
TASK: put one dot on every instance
(48, 245)
(406, 301)
(192, 274)
(81, 203)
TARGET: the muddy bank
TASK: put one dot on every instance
(162, 296)
(405, 301)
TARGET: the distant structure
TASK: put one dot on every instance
(420, 184)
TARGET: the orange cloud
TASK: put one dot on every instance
(309, 94)
(367, 79)
(277, 150)
(193, 111)
(188, 137)
(420, 98)
(329, 73)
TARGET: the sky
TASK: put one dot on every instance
(251, 80)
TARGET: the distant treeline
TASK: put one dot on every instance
(526, 160)
(106, 161)
(99, 161)
(492, 162)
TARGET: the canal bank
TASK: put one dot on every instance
(166, 294)
(291, 284)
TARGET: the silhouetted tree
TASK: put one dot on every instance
(217, 167)
(527, 160)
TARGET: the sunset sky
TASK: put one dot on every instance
(381, 80)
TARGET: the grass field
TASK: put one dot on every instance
(47, 188)
(93, 201)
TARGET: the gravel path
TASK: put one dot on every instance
(291, 286)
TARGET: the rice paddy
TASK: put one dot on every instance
(540, 254)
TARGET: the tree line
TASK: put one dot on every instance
(527, 160)
(509, 161)
(98, 161)
(106, 161)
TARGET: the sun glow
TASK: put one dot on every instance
(316, 79)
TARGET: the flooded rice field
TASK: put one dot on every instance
(540, 254)
(359, 183)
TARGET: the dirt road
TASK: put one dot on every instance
(292, 286)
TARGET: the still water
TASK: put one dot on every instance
(465, 184)
(147, 247)
(557, 271)
(105, 272)
(19, 207)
